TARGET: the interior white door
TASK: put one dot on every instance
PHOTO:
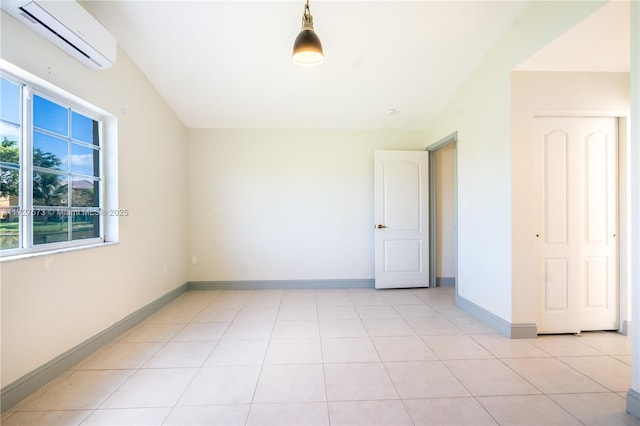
(401, 219)
(576, 162)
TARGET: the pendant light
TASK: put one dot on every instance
(307, 49)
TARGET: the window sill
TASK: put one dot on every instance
(22, 256)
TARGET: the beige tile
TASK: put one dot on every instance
(424, 379)
(107, 389)
(222, 415)
(377, 312)
(80, 390)
(150, 332)
(349, 349)
(437, 326)
(447, 310)
(624, 358)
(270, 297)
(358, 382)
(299, 414)
(456, 347)
(448, 412)
(217, 314)
(231, 298)
(342, 328)
(415, 311)
(332, 297)
(436, 299)
(238, 352)
(171, 314)
(257, 313)
(366, 297)
(596, 408)
(365, 413)
(337, 312)
(607, 342)
(201, 331)
(121, 356)
(470, 325)
(485, 377)
(52, 385)
(291, 383)
(297, 313)
(503, 347)
(401, 297)
(526, 410)
(405, 348)
(151, 388)
(608, 371)
(565, 345)
(195, 299)
(302, 297)
(221, 385)
(180, 354)
(242, 330)
(296, 330)
(128, 416)
(294, 351)
(388, 327)
(552, 376)
(40, 418)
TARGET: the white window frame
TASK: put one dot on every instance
(107, 131)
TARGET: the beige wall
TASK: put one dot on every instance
(49, 304)
(284, 204)
(445, 211)
(479, 112)
(551, 93)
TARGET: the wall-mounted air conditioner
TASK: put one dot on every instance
(69, 26)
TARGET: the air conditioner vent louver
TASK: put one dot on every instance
(69, 26)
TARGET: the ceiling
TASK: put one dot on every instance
(226, 64)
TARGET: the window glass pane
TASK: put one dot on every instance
(9, 187)
(9, 230)
(50, 152)
(85, 226)
(50, 116)
(84, 193)
(84, 128)
(50, 189)
(50, 226)
(10, 101)
(9, 146)
(84, 160)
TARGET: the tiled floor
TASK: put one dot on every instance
(340, 357)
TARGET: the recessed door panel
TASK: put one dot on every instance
(596, 282)
(402, 210)
(596, 164)
(555, 186)
(403, 256)
(556, 286)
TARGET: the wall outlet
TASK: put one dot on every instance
(194, 260)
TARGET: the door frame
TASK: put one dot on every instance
(433, 254)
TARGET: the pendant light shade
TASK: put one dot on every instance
(307, 49)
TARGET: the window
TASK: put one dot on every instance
(51, 179)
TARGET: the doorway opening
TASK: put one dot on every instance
(443, 212)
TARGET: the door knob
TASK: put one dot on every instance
(382, 226)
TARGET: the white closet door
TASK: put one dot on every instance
(576, 174)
